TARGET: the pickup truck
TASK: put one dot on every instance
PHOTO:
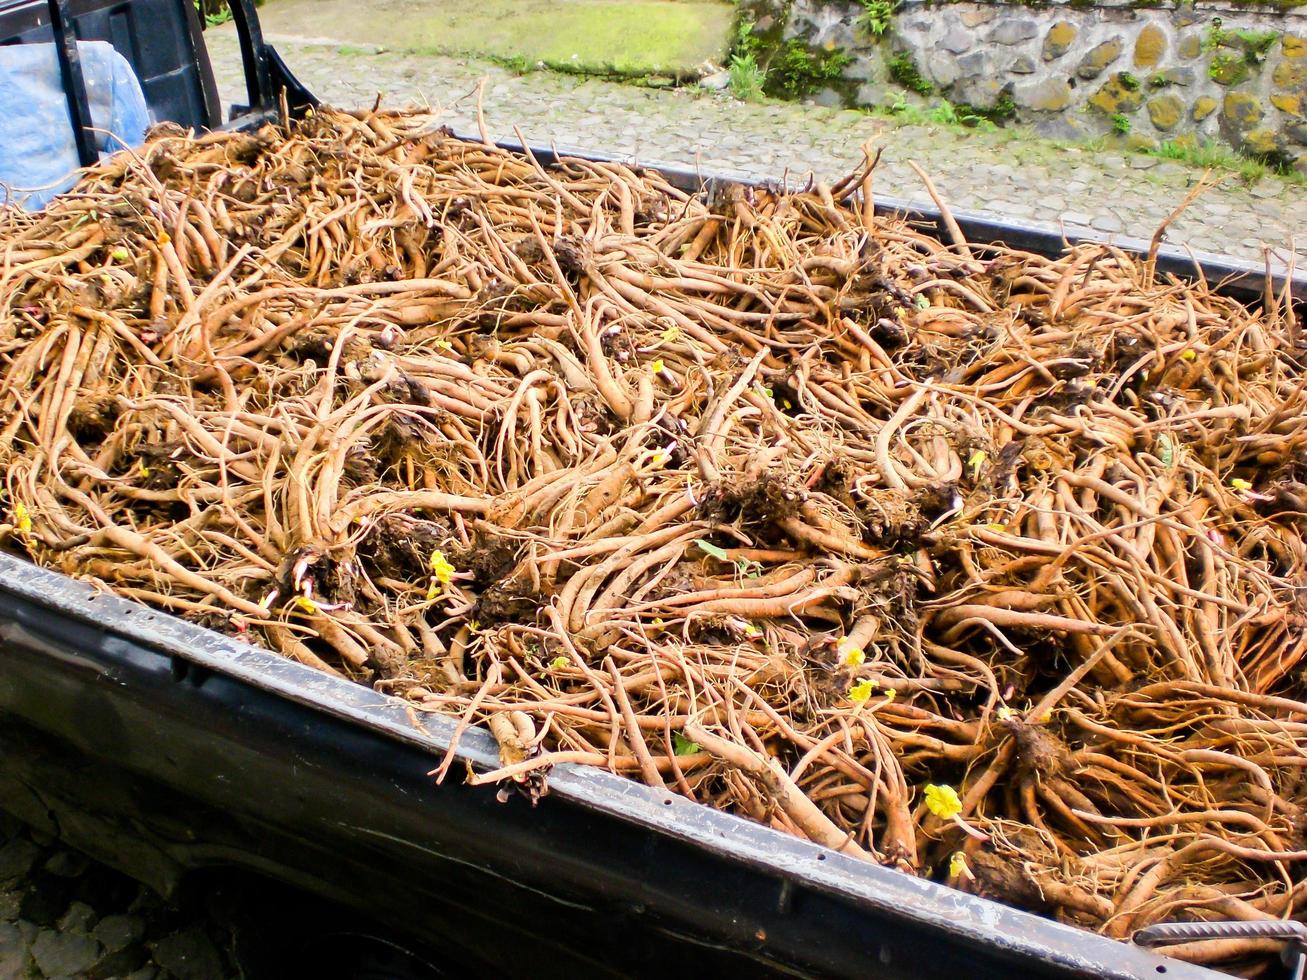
(185, 758)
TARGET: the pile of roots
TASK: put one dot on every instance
(980, 564)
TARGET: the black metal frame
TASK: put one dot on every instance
(266, 75)
(74, 82)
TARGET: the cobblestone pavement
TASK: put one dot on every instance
(1003, 173)
(64, 916)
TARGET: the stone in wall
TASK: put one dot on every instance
(1150, 46)
(1096, 60)
(979, 14)
(1013, 32)
(1228, 69)
(1058, 40)
(1285, 102)
(1118, 95)
(957, 41)
(1047, 95)
(1241, 111)
(1183, 77)
(1204, 106)
(1165, 111)
(1291, 72)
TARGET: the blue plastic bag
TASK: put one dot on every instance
(38, 156)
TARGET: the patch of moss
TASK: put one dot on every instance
(1003, 110)
(904, 71)
(1129, 82)
(958, 118)
(1120, 123)
(1227, 69)
(1252, 44)
(800, 70)
(1257, 43)
(515, 63)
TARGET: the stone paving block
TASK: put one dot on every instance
(117, 932)
(59, 953)
(189, 955)
(15, 950)
(17, 858)
(80, 917)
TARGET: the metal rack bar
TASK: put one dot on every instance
(74, 83)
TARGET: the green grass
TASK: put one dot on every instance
(1252, 44)
(1216, 156)
(1257, 42)
(945, 114)
(516, 64)
(214, 12)
(746, 77)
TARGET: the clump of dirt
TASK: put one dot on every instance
(938, 499)
(156, 465)
(1040, 753)
(93, 417)
(890, 519)
(319, 345)
(1002, 874)
(331, 578)
(508, 601)
(755, 502)
(400, 546)
(491, 559)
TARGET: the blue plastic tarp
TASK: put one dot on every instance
(38, 155)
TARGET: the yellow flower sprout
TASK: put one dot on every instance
(861, 691)
(943, 801)
(957, 865)
(442, 569)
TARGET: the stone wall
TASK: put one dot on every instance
(1143, 73)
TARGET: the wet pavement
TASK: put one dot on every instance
(63, 915)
